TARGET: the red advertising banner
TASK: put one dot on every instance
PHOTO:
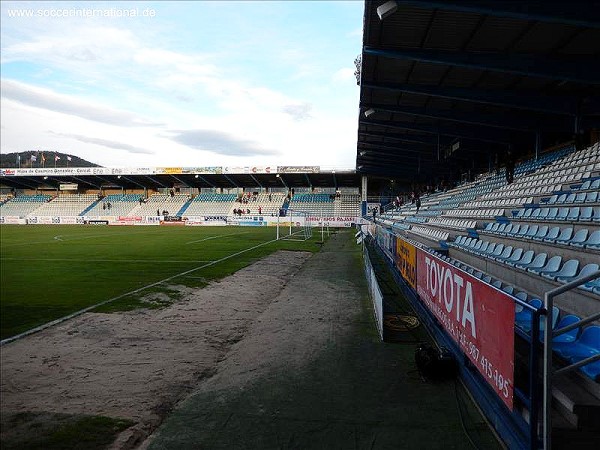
(477, 316)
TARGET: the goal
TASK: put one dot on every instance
(295, 226)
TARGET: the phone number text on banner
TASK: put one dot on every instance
(477, 316)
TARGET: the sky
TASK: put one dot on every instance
(193, 83)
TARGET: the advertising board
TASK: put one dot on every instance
(406, 261)
(477, 316)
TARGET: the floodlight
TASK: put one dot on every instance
(369, 112)
(362, 152)
(196, 176)
(387, 9)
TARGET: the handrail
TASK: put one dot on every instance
(547, 351)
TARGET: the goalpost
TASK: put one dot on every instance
(294, 226)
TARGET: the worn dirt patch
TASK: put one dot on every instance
(137, 365)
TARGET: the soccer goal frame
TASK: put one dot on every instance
(294, 226)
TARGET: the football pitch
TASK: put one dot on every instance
(49, 272)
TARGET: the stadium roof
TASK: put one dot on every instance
(445, 85)
(13, 178)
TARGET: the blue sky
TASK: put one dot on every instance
(182, 83)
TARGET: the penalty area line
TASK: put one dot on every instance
(135, 291)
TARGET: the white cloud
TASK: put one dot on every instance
(344, 75)
(119, 86)
(46, 99)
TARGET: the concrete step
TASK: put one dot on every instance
(578, 405)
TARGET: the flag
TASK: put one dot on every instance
(33, 158)
(56, 158)
(18, 159)
(43, 157)
(69, 158)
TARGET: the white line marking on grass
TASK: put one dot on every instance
(58, 238)
(111, 260)
(215, 237)
(135, 291)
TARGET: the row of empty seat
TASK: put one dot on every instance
(555, 235)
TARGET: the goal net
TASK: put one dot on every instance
(295, 225)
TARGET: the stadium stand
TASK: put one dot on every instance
(23, 205)
(65, 205)
(209, 204)
(120, 205)
(159, 203)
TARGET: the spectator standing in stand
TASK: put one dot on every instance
(510, 167)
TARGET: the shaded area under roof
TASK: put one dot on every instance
(450, 87)
(226, 181)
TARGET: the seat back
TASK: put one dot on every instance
(553, 233)
(553, 264)
(527, 257)
(588, 269)
(591, 337)
(539, 260)
(594, 238)
(542, 232)
(580, 236)
(573, 213)
(569, 320)
(569, 269)
(565, 234)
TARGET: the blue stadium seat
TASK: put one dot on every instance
(573, 214)
(592, 370)
(595, 184)
(552, 214)
(525, 259)
(523, 318)
(551, 266)
(591, 197)
(552, 234)
(537, 262)
(586, 346)
(562, 214)
(520, 213)
(569, 269)
(535, 214)
(514, 256)
(593, 241)
(579, 238)
(565, 236)
(569, 336)
(522, 231)
(543, 213)
(541, 233)
(586, 213)
(596, 214)
(508, 289)
(585, 270)
(533, 229)
(497, 251)
(570, 198)
(505, 253)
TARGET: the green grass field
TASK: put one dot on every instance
(48, 272)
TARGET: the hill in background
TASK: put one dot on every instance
(24, 160)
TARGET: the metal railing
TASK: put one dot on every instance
(547, 350)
